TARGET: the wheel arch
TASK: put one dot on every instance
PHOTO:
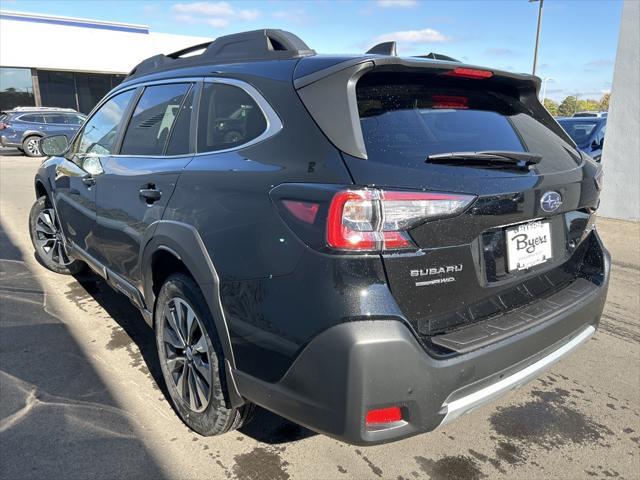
(40, 188)
(31, 133)
(176, 246)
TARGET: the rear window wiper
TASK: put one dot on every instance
(495, 157)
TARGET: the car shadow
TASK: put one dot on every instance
(266, 427)
(57, 417)
(11, 152)
(128, 318)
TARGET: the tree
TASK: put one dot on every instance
(551, 106)
(588, 105)
(568, 106)
(604, 101)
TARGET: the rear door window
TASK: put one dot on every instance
(229, 117)
(153, 118)
(406, 118)
(179, 143)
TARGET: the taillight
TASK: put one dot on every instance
(3, 125)
(472, 73)
(376, 220)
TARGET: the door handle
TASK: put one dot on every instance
(89, 181)
(150, 194)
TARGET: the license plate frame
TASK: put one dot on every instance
(528, 245)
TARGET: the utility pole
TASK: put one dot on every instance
(535, 52)
(544, 87)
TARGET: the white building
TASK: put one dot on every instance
(621, 155)
(55, 61)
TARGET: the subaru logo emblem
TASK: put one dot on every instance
(550, 201)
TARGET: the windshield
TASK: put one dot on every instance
(581, 131)
(405, 118)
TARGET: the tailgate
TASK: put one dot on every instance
(521, 238)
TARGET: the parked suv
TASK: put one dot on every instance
(23, 127)
(588, 133)
(385, 244)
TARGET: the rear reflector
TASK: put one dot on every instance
(384, 415)
(303, 211)
(376, 220)
(469, 73)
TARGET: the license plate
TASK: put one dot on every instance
(528, 244)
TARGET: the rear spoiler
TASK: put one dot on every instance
(330, 94)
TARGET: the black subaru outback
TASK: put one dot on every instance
(383, 243)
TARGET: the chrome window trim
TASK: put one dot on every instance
(274, 124)
(118, 90)
(19, 118)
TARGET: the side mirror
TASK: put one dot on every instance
(54, 145)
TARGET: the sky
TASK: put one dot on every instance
(577, 42)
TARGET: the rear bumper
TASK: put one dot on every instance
(355, 367)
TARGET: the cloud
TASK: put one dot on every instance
(500, 52)
(298, 16)
(216, 14)
(397, 3)
(597, 64)
(426, 35)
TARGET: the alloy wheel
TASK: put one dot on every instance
(186, 354)
(49, 239)
(33, 147)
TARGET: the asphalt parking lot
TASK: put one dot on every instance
(81, 393)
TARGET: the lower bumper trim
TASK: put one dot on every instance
(456, 408)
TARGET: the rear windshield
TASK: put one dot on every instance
(406, 118)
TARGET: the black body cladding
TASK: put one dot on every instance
(190, 178)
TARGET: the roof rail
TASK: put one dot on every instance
(40, 109)
(438, 56)
(384, 48)
(266, 44)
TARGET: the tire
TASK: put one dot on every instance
(31, 146)
(44, 230)
(192, 363)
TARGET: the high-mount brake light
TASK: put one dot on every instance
(376, 220)
(472, 73)
(450, 101)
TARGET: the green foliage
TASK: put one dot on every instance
(551, 106)
(571, 105)
(568, 106)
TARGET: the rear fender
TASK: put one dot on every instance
(184, 241)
